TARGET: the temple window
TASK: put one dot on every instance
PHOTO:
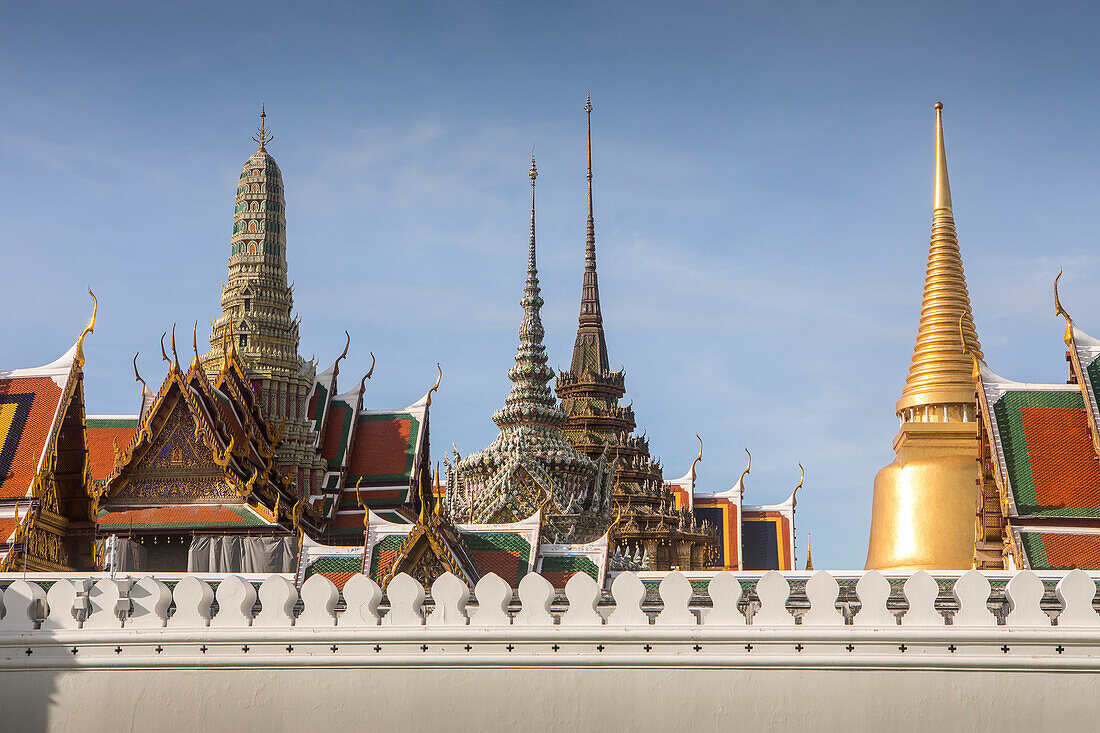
(247, 304)
(244, 340)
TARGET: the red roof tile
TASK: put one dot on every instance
(27, 409)
(382, 447)
(186, 516)
(7, 526)
(1072, 550)
(101, 449)
(1064, 468)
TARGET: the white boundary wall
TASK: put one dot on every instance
(124, 661)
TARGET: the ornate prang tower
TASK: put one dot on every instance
(530, 465)
(599, 426)
(257, 318)
(925, 501)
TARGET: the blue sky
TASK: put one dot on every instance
(763, 178)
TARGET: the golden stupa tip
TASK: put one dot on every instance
(942, 195)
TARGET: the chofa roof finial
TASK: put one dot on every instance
(87, 330)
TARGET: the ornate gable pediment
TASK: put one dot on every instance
(177, 467)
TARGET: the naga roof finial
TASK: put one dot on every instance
(79, 359)
(195, 341)
(794, 494)
(262, 136)
(175, 356)
(748, 467)
(436, 385)
(697, 459)
(163, 354)
(137, 378)
(343, 355)
(1059, 310)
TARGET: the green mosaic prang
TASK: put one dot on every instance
(1010, 428)
(571, 564)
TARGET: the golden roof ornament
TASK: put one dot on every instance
(433, 389)
(1059, 310)
(79, 358)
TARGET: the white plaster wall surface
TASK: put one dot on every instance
(561, 699)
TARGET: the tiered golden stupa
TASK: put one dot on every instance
(924, 502)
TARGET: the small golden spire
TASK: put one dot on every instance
(940, 373)
(87, 330)
(195, 341)
(809, 554)
(175, 356)
(262, 137)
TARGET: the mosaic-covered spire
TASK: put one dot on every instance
(530, 398)
(598, 426)
(530, 465)
(257, 312)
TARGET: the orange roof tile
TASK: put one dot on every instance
(186, 516)
(101, 448)
(1064, 468)
(383, 447)
(27, 409)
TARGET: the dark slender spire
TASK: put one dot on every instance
(590, 350)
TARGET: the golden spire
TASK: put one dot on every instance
(809, 554)
(940, 372)
(262, 136)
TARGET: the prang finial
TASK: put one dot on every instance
(262, 136)
(87, 330)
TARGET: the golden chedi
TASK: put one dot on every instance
(924, 502)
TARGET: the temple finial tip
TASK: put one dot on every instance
(938, 106)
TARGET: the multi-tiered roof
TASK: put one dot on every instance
(530, 464)
(599, 426)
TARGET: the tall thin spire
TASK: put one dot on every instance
(942, 195)
(262, 136)
(590, 350)
(530, 400)
(941, 371)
